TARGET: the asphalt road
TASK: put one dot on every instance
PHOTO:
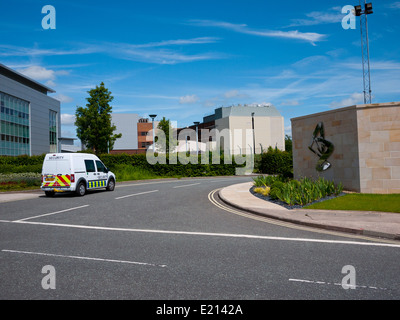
(169, 240)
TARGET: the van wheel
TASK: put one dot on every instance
(81, 190)
(50, 193)
(111, 185)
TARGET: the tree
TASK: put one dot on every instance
(93, 122)
(288, 143)
(168, 144)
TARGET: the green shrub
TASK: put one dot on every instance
(275, 161)
(8, 168)
(263, 181)
(22, 160)
(276, 190)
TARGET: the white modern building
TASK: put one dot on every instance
(67, 145)
(242, 129)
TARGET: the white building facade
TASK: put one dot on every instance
(245, 129)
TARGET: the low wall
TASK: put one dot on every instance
(366, 147)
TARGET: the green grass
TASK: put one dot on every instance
(361, 202)
(131, 173)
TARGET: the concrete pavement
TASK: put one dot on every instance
(20, 195)
(368, 223)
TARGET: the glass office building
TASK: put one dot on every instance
(53, 137)
(29, 118)
(14, 118)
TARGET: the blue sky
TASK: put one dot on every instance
(182, 59)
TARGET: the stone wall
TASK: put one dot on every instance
(366, 140)
(379, 148)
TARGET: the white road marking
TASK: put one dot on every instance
(187, 185)
(145, 183)
(85, 258)
(52, 213)
(173, 181)
(208, 234)
(136, 194)
(335, 284)
(292, 225)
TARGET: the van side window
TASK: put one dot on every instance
(100, 166)
(90, 166)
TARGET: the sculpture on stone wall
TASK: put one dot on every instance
(321, 147)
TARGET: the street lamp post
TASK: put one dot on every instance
(254, 134)
(153, 116)
(197, 136)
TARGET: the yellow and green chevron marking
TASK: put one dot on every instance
(97, 184)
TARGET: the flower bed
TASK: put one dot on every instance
(295, 193)
(18, 181)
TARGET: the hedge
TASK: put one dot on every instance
(275, 161)
(34, 164)
(22, 160)
(178, 169)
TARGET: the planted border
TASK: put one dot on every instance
(296, 192)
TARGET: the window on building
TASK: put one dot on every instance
(14, 126)
(146, 144)
(53, 131)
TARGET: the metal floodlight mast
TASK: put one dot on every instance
(359, 12)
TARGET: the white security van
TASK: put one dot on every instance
(75, 172)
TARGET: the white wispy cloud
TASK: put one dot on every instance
(153, 52)
(189, 99)
(354, 99)
(161, 56)
(394, 5)
(234, 94)
(161, 52)
(180, 42)
(332, 15)
(17, 51)
(40, 73)
(311, 37)
(290, 103)
(63, 98)
(322, 82)
(375, 65)
(67, 119)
